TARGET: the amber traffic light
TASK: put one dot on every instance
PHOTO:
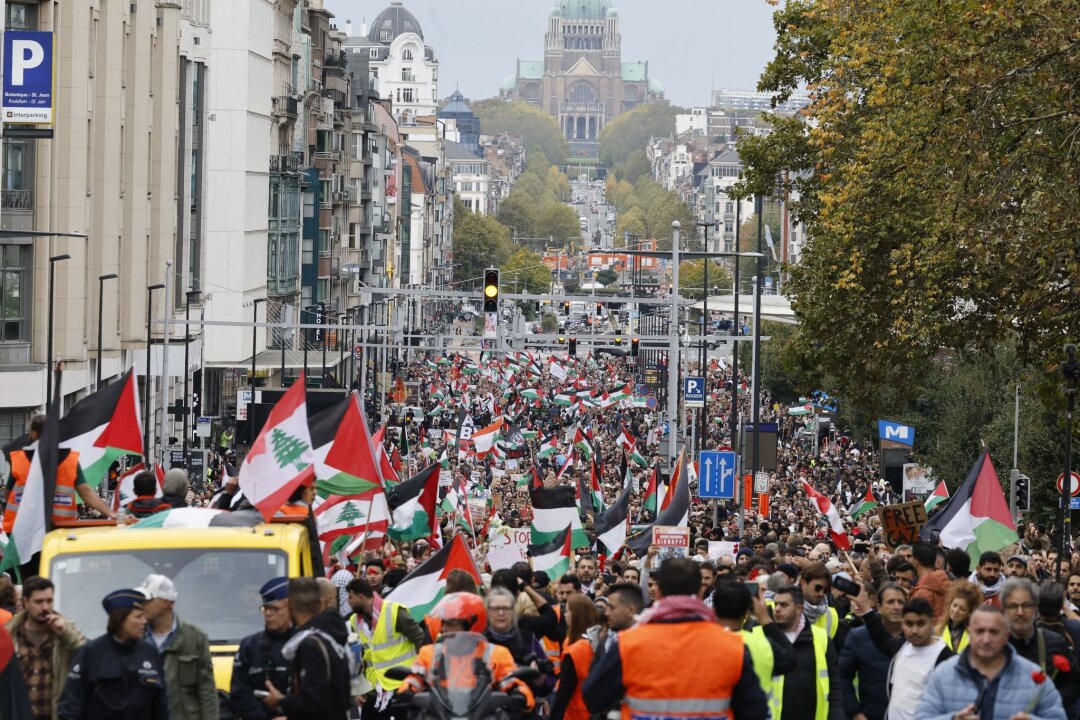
(491, 290)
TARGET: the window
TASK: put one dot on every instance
(729, 226)
(21, 16)
(13, 278)
(13, 423)
(407, 76)
(407, 55)
(407, 95)
(373, 53)
(582, 93)
(729, 207)
(386, 36)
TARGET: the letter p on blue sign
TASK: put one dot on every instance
(28, 77)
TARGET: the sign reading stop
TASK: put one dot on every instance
(1074, 490)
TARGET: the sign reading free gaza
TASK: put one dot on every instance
(28, 77)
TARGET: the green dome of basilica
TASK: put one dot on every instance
(584, 9)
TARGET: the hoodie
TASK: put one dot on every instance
(932, 588)
(320, 665)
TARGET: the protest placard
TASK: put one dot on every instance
(901, 523)
(672, 541)
(723, 548)
(508, 548)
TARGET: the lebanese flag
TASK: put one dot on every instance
(104, 427)
(282, 458)
(366, 512)
(825, 507)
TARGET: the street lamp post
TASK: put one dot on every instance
(704, 324)
(101, 320)
(49, 350)
(755, 376)
(254, 337)
(146, 398)
(196, 297)
(1071, 370)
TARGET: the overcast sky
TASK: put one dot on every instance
(691, 45)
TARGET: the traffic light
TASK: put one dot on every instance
(1023, 493)
(561, 339)
(618, 339)
(572, 346)
(599, 309)
(491, 290)
(635, 346)
(566, 307)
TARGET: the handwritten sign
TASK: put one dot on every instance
(900, 524)
(723, 548)
(508, 548)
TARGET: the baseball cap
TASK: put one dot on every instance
(1018, 558)
(158, 587)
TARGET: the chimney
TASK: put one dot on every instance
(363, 27)
(348, 28)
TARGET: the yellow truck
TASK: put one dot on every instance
(217, 570)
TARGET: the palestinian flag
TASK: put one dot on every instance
(530, 394)
(940, 495)
(612, 524)
(421, 589)
(34, 516)
(413, 506)
(554, 510)
(104, 427)
(281, 459)
(637, 457)
(624, 438)
(836, 525)
(484, 438)
(649, 504)
(345, 462)
(555, 557)
(192, 518)
(125, 486)
(582, 444)
(386, 468)
(564, 399)
(339, 516)
(595, 492)
(868, 503)
(673, 483)
(548, 446)
(675, 514)
(567, 465)
(537, 478)
(977, 517)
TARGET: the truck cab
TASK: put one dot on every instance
(217, 571)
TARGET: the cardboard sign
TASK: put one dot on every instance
(900, 524)
(508, 548)
(672, 541)
(723, 548)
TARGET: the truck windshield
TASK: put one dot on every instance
(218, 589)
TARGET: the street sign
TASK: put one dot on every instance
(717, 475)
(667, 427)
(761, 482)
(650, 403)
(894, 432)
(243, 399)
(694, 392)
(1074, 503)
(28, 77)
(1074, 490)
(358, 352)
(202, 427)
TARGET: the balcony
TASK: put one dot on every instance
(285, 163)
(285, 107)
(17, 200)
(581, 107)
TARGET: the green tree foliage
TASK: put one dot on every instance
(630, 132)
(557, 183)
(536, 127)
(783, 381)
(632, 221)
(479, 242)
(938, 173)
(634, 167)
(692, 278)
(558, 222)
(525, 271)
(607, 277)
(518, 213)
(748, 242)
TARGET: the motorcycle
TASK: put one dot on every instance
(460, 686)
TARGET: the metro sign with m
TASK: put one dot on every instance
(28, 77)
(895, 433)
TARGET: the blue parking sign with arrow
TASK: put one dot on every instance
(717, 475)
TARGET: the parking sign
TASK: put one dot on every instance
(694, 392)
(28, 77)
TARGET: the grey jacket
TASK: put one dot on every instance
(954, 684)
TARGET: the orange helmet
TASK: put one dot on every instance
(462, 606)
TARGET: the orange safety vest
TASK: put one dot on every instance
(63, 505)
(552, 648)
(696, 696)
(581, 652)
(293, 512)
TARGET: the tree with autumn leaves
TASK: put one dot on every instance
(937, 169)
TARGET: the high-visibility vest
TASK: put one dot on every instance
(829, 621)
(63, 503)
(581, 652)
(946, 635)
(294, 512)
(553, 649)
(821, 676)
(761, 653)
(670, 693)
(384, 648)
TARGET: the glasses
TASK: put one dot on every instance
(500, 609)
(1013, 607)
(271, 608)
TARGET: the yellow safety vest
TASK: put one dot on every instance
(946, 635)
(829, 621)
(821, 669)
(384, 648)
(761, 653)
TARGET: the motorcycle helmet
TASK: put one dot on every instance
(461, 606)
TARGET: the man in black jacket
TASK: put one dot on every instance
(1020, 601)
(318, 660)
(259, 658)
(801, 685)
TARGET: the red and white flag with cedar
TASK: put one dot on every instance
(826, 508)
(282, 458)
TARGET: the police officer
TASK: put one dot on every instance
(259, 658)
(118, 676)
